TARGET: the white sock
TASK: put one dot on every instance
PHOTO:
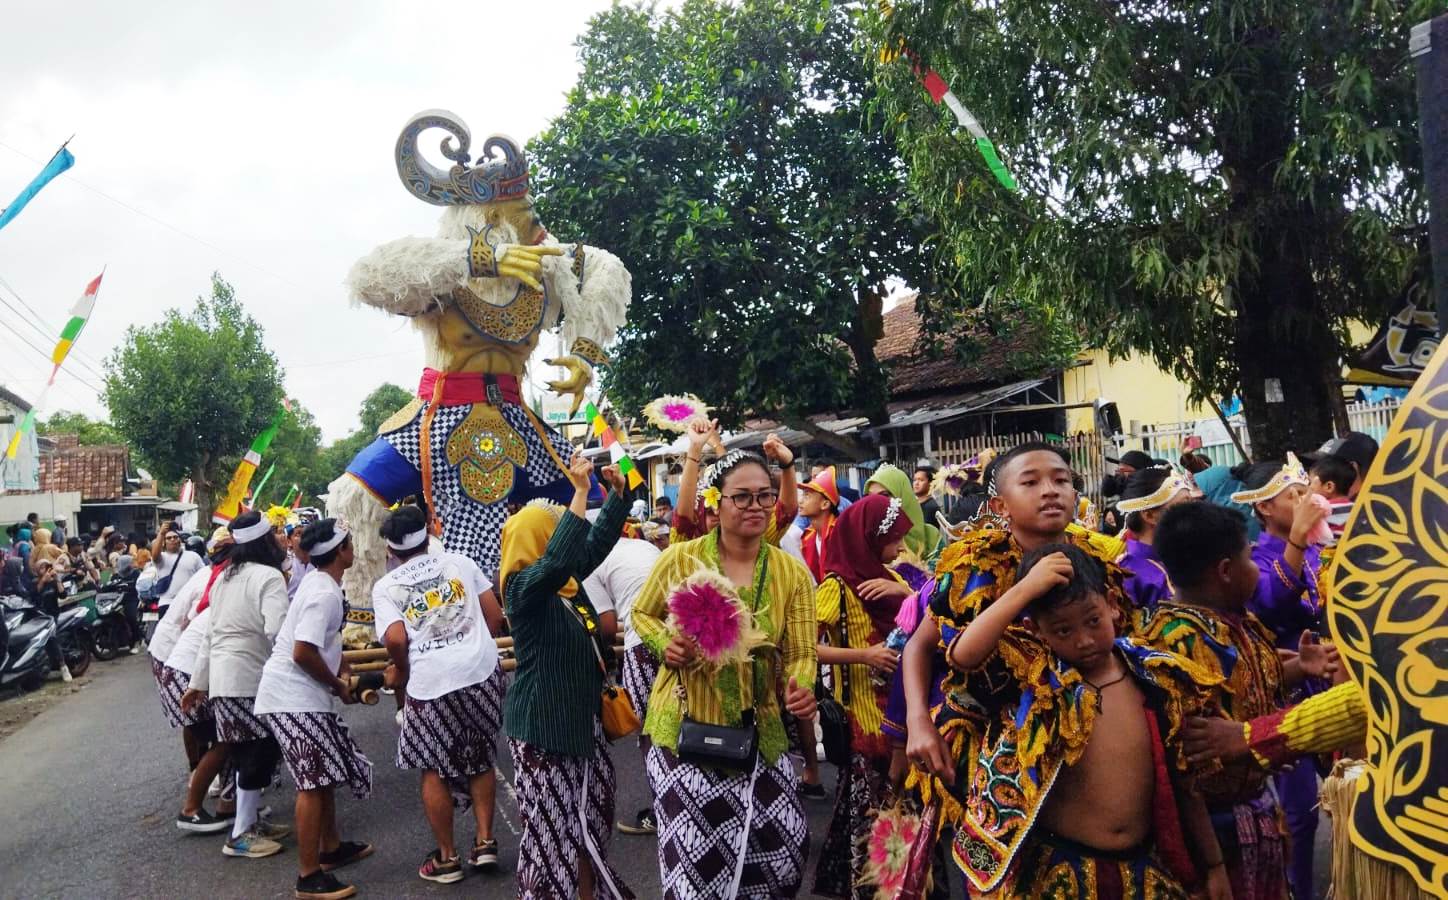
(247, 803)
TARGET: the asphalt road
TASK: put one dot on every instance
(89, 791)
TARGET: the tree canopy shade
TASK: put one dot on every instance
(191, 391)
(1222, 184)
(723, 152)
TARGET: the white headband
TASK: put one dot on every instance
(410, 540)
(322, 549)
(252, 532)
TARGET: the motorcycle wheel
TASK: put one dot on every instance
(33, 680)
(76, 651)
(112, 636)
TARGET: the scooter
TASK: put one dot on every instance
(112, 631)
(23, 659)
(70, 632)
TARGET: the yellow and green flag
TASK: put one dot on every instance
(79, 315)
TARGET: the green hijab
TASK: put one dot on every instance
(923, 536)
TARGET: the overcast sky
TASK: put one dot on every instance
(252, 139)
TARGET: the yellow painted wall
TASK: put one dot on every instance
(1140, 389)
(1143, 391)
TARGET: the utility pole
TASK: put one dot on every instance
(1428, 45)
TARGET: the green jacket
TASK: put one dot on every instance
(554, 697)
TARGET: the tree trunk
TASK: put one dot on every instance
(871, 386)
(1285, 352)
(200, 478)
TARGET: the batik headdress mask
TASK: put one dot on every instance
(501, 173)
(1291, 473)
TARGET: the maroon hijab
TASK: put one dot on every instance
(852, 551)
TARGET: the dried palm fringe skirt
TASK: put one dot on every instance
(320, 752)
(701, 816)
(455, 735)
(568, 814)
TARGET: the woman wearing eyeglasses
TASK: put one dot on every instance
(857, 603)
(698, 510)
(729, 827)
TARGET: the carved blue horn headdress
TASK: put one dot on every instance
(500, 174)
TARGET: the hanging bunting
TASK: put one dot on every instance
(61, 161)
(230, 507)
(79, 315)
(616, 454)
(940, 92)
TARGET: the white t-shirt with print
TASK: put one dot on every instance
(315, 616)
(435, 597)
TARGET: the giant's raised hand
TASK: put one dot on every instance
(580, 376)
(490, 258)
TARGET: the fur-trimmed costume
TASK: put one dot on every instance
(468, 443)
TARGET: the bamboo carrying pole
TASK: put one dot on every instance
(370, 660)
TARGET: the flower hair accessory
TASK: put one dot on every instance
(676, 412)
(891, 515)
(715, 476)
(710, 496)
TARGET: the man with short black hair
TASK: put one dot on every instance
(663, 510)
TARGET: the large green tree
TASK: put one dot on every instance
(723, 151)
(376, 408)
(192, 391)
(1224, 185)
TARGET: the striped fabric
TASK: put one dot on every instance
(1329, 721)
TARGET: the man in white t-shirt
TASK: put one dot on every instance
(299, 685)
(437, 614)
(612, 587)
(173, 562)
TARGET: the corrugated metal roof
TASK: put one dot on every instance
(941, 409)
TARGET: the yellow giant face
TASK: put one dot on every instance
(1387, 606)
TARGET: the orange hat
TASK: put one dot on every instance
(824, 485)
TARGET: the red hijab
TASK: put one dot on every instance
(852, 550)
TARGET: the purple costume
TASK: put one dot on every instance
(1147, 584)
(895, 709)
(1289, 604)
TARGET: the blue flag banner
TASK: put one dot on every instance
(58, 163)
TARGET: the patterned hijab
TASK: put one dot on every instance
(525, 537)
(852, 550)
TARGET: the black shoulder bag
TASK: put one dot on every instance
(732, 748)
(834, 722)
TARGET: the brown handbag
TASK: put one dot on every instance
(617, 710)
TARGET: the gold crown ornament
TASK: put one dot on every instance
(1291, 473)
(1174, 484)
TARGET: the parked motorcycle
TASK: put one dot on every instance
(23, 657)
(71, 633)
(112, 630)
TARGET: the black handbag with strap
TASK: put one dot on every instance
(834, 721)
(733, 748)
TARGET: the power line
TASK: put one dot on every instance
(46, 357)
(49, 330)
(45, 336)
